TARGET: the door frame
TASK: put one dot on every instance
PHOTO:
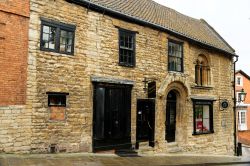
(168, 137)
(118, 145)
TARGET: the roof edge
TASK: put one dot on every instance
(94, 6)
(243, 73)
(204, 21)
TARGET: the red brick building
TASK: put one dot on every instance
(14, 19)
(243, 108)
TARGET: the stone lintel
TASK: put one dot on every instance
(111, 80)
(208, 98)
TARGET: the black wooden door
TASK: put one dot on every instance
(171, 117)
(111, 121)
(145, 124)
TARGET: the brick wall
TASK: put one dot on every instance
(15, 117)
(246, 87)
(13, 50)
(16, 7)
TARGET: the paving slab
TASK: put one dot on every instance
(90, 159)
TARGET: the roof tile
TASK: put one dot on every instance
(155, 13)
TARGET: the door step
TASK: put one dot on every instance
(144, 148)
(173, 147)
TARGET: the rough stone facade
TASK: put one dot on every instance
(96, 54)
(14, 118)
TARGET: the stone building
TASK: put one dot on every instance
(243, 108)
(106, 75)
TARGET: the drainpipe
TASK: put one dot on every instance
(235, 113)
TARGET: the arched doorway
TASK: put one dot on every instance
(170, 117)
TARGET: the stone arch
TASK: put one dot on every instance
(174, 81)
(181, 113)
(179, 88)
(179, 82)
(203, 57)
(202, 71)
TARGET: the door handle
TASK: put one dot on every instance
(149, 125)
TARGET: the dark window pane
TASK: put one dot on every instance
(66, 41)
(126, 48)
(48, 37)
(57, 100)
(52, 38)
(175, 58)
(55, 38)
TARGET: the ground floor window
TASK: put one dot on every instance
(242, 125)
(57, 105)
(203, 117)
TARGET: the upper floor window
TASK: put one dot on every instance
(239, 81)
(202, 71)
(175, 56)
(57, 37)
(126, 48)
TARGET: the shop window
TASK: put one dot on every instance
(202, 71)
(57, 105)
(57, 37)
(126, 48)
(175, 56)
(203, 117)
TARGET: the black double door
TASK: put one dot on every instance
(112, 114)
(145, 124)
(171, 117)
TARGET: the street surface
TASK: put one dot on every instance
(89, 159)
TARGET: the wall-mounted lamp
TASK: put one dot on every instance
(242, 96)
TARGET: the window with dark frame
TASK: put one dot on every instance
(56, 99)
(57, 37)
(203, 117)
(175, 56)
(126, 48)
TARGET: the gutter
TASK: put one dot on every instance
(96, 7)
(235, 113)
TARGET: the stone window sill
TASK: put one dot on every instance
(211, 132)
(202, 87)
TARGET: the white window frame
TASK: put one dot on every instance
(241, 81)
(242, 126)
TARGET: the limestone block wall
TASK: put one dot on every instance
(96, 54)
(15, 133)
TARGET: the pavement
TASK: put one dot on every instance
(91, 159)
(245, 150)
